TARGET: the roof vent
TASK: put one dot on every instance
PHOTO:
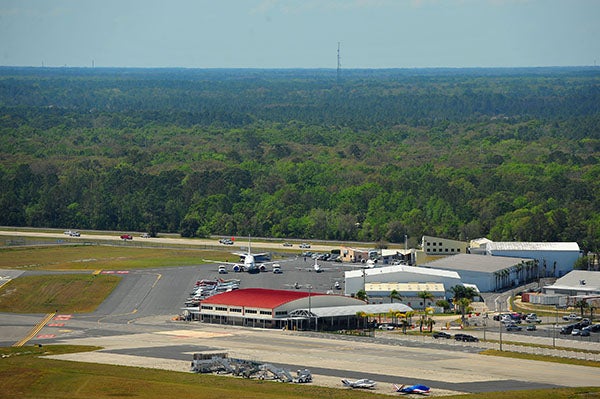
(581, 282)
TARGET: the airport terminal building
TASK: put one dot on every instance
(294, 310)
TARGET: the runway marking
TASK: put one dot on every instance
(35, 330)
(45, 336)
(194, 334)
(56, 325)
(63, 317)
(97, 272)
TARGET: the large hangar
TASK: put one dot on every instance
(267, 308)
(407, 281)
(488, 273)
(555, 259)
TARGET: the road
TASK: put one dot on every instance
(238, 245)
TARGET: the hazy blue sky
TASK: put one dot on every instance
(299, 33)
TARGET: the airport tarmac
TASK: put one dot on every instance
(135, 327)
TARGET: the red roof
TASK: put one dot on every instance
(257, 298)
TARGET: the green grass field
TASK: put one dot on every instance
(24, 374)
(94, 257)
(73, 293)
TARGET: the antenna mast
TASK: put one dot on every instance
(339, 64)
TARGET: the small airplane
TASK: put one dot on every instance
(418, 388)
(314, 268)
(296, 285)
(317, 268)
(363, 383)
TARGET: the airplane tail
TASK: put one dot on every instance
(346, 383)
(398, 388)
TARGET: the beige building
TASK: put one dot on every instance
(443, 246)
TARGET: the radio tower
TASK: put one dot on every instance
(339, 64)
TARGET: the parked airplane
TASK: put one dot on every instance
(315, 268)
(418, 388)
(362, 383)
(249, 262)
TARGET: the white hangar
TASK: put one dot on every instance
(555, 259)
(408, 281)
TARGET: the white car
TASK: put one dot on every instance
(222, 269)
(304, 245)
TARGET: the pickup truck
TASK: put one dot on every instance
(532, 318)
(572, 316)
(126, 237)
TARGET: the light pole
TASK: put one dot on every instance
(309, 306)
(485, 317)
(554, 329)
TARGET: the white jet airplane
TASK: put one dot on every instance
(362, 383)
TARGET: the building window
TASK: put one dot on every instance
(434, 244)
(446, 250)
(452, 250)
(458, 250)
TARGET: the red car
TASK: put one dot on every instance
(126, 237)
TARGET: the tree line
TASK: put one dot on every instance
(506, 154)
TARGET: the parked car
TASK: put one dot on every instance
(288, 244)
(145, 235)
(75, 234)
(277, 270)
(226, 241)
(585, 332)
(441, 334)
(126, 237)
(595, 328)
(532, 318)
(531, 327)
(513, 327)
(222, 269)
(304, 245)
(465, 338)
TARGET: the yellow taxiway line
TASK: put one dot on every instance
(35, 330)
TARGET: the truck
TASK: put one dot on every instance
(126, 237)
(572, 316)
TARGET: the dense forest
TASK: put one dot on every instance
(509, 154)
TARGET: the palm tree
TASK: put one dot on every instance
(582, 304)
(395, 295)
(430, 323)
(463, 304)
(362, 295)
(361, 316)
(425, 295)
(460, 291)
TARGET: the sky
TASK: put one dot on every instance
(299, 33)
